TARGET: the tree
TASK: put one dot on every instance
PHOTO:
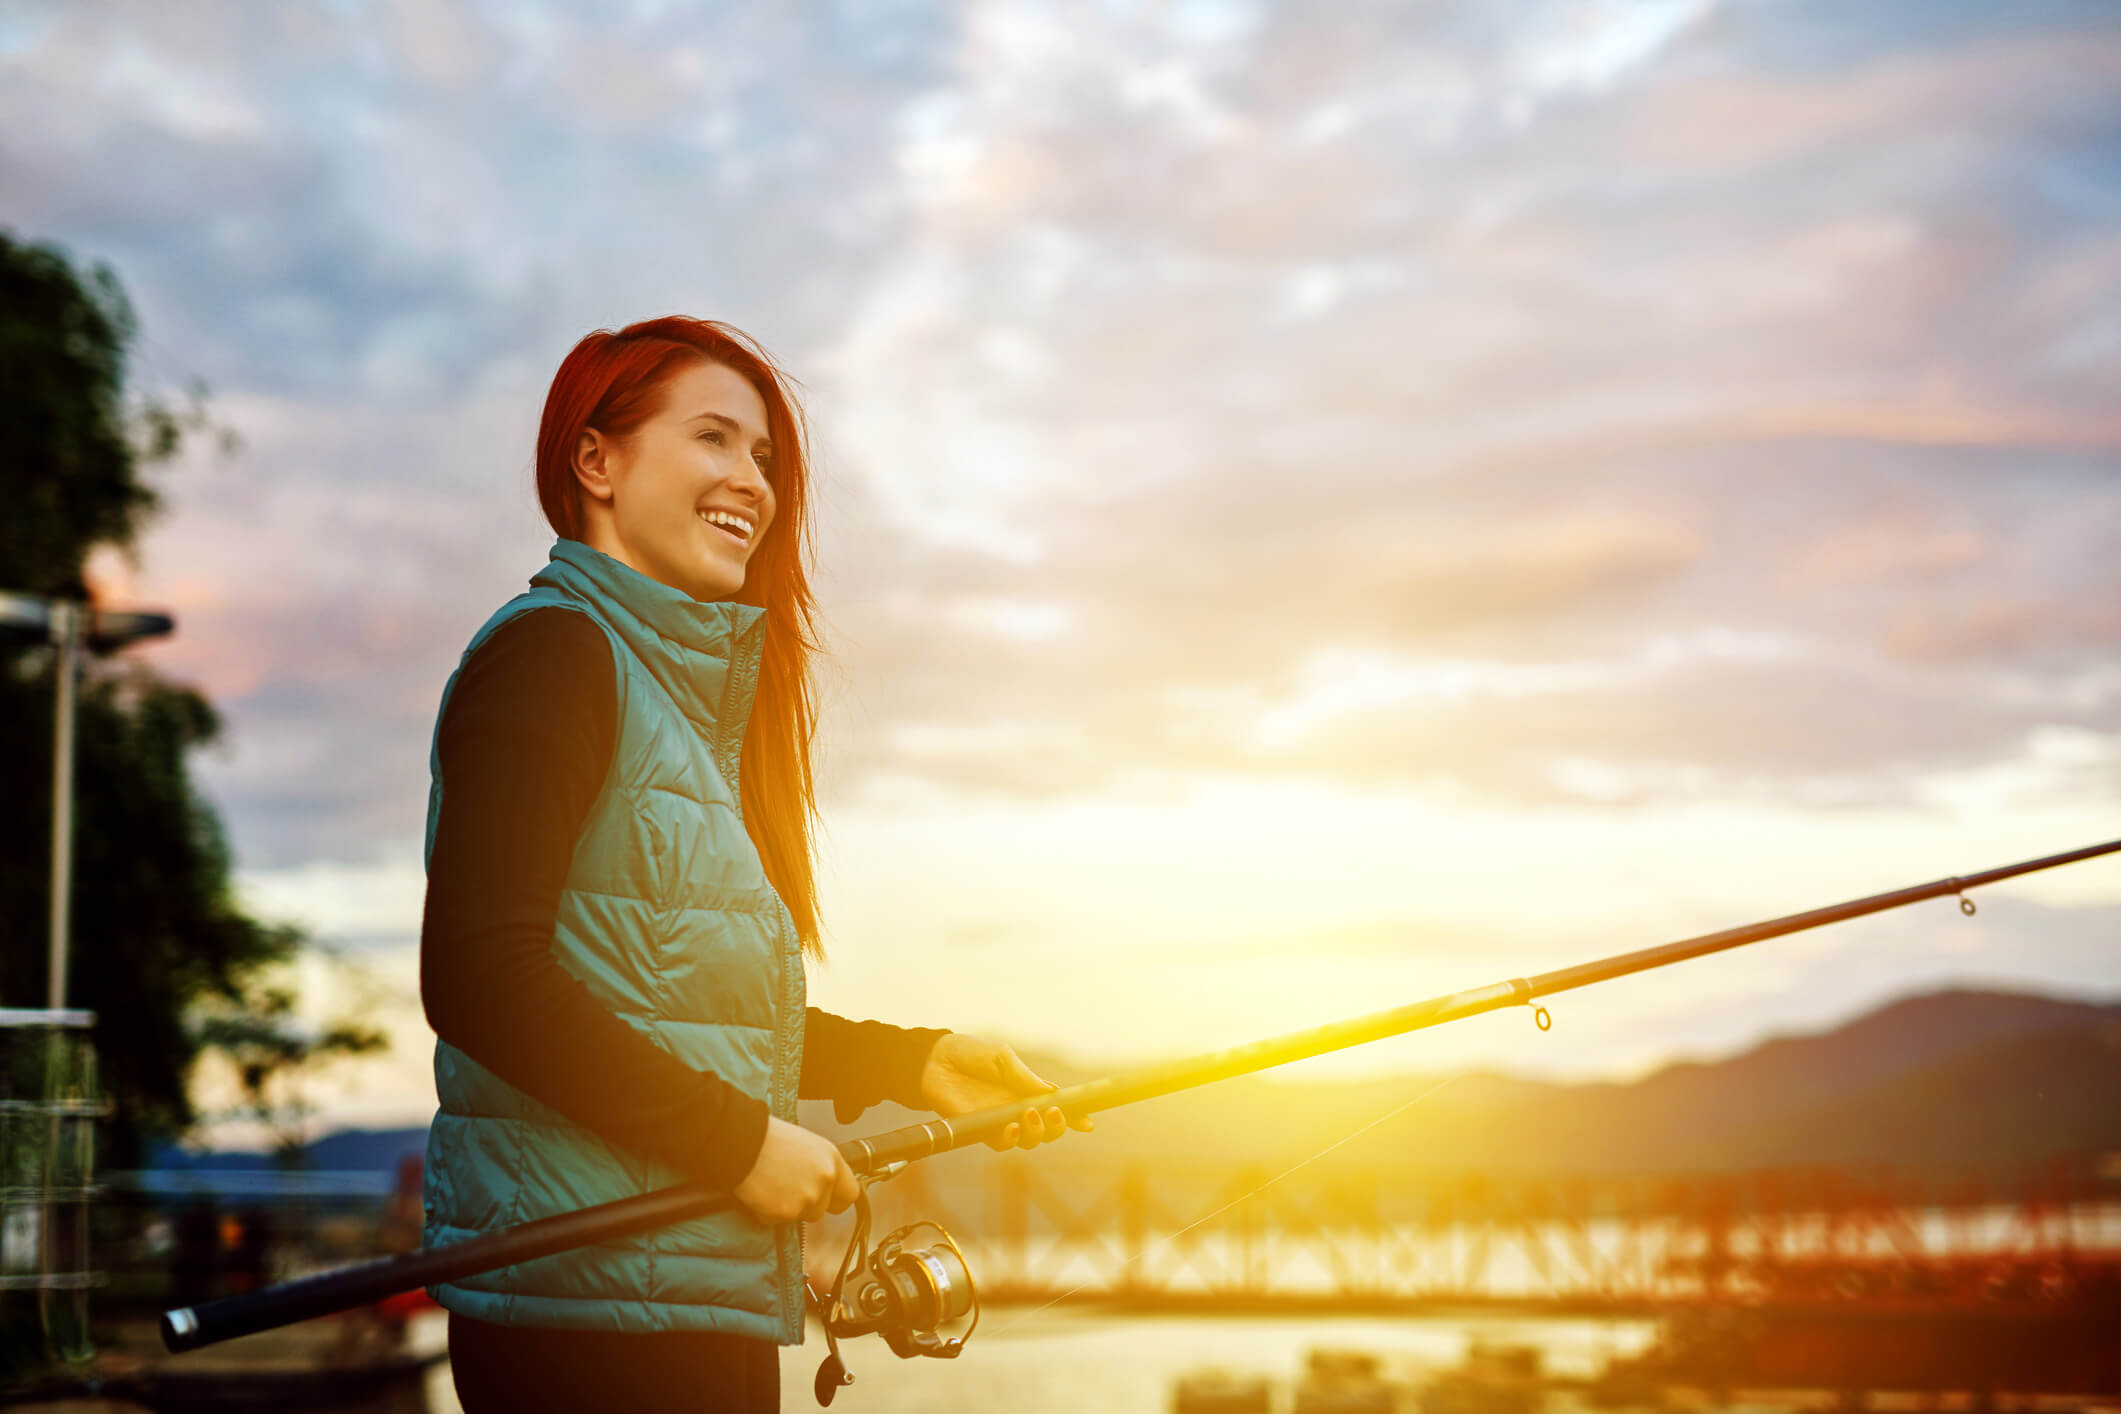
(270, 1056)
(164, 954)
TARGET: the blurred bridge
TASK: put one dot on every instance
(2045, 1237)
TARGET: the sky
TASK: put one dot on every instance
(1318, 506)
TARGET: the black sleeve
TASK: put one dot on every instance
(856, 1064)
(525, 744)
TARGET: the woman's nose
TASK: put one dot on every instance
(750, 480)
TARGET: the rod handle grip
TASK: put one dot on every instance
(363, 1284)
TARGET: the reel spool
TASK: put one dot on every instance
(900, 1290)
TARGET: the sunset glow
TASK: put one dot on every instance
(1315, 509)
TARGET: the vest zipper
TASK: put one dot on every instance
(792, 998)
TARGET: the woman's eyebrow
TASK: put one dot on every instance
(729, 422)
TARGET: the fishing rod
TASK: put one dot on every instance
(904, 1291)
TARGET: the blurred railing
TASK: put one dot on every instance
(49, 1103)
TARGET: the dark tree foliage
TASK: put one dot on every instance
(69, 453)
(160, 950)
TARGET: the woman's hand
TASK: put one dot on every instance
(798, 1176)
(964, 1074)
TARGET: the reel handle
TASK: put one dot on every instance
(830, 1377)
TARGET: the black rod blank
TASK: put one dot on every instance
(190, 1327)
(363, 1283)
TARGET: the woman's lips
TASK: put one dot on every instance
(725, 532)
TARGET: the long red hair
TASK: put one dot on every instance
(614, 383)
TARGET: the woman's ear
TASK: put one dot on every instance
(591, 468)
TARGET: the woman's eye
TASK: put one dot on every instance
(712, 436)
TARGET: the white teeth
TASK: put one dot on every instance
(736, 523)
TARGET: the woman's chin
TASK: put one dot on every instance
(716, 585)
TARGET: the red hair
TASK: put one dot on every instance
(614, 383)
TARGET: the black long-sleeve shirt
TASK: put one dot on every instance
(525, 743)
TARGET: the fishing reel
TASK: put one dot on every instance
(902, 1290)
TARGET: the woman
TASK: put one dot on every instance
(620, 895)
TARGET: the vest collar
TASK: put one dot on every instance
(705, 654)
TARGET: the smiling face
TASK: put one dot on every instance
(686, 499)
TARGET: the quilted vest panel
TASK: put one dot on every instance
(668, 918)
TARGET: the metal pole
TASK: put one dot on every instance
(187, 1328)
(67, 622)
(65, 626)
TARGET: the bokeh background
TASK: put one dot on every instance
(1320, 505)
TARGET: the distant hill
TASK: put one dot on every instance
(1950, 1081)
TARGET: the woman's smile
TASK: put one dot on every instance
(733, 524)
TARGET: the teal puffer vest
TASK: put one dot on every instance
(668, 918)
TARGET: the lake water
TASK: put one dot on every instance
(1065, 1361)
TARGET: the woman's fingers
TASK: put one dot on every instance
(1019, 1134)
(846, 1188)
(1038, 1127)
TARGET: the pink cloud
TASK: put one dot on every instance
(1739, 121)
(1888, 547)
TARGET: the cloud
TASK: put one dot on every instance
(1991, 89)
(1220, 388)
